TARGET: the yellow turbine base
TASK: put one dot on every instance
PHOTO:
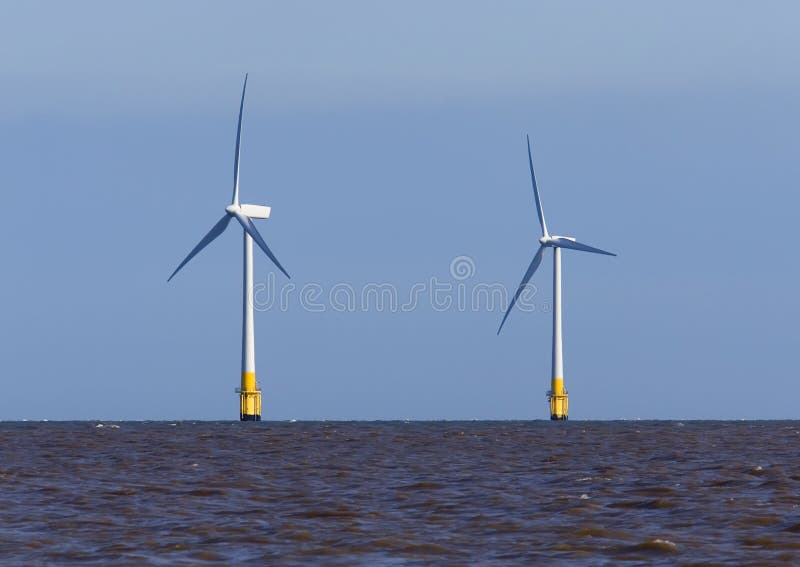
(249, 398)
(559, 400)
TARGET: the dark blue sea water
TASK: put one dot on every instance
(400, 493)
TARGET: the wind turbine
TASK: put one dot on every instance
(249, 394)
(557, 395)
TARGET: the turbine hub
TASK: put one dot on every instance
(231, 209)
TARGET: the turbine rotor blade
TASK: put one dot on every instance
(215, 231)
(238, 140)
(250, 228)
(573, 245)
(537, 259)
(539, 209)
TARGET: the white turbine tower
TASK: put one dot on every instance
(557, 396)
(249, 394)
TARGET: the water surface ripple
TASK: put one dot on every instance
(397, 493)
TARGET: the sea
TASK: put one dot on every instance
(400, 493)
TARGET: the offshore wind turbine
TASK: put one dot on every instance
(249, 393)
(557, 395)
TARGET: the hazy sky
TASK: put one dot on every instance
(390, 139)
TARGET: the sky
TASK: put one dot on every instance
(389, 140)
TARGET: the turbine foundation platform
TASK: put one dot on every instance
(559, 401)
(249, 398)
(250, 406)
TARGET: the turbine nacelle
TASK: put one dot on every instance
(554, 240)
(252, 211)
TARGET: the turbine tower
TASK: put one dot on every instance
(249, 393)
(557, 395)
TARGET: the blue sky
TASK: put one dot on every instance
(390, 139)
